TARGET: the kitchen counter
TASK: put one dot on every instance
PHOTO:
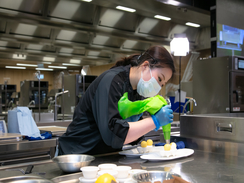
(199, 167)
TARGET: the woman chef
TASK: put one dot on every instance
(97, 125)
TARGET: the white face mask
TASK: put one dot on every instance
(148, 88)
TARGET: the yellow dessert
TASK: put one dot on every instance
(105, 178)
(143, 144)
(167, 147)
(149, 142)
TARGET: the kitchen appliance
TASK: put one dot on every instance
(76, 85)
(218, 85)
(29, 93)
(6, 92)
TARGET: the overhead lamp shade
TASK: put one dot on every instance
(179, 46)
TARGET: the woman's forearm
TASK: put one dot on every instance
(137, 129)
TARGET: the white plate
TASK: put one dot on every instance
(130, 153)
(134, 152)
(156, 156)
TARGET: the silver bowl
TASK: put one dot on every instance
(151, 176)
(25, 179)
(73, 162)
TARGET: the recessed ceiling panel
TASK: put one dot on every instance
(118, 19)
(191, 32)
(73, 36)
(29, 30)
(28, 6)
(6, 44)
(72, 10)
(45, 48)
(98, 54)
(135, 45)
(155, 27)
(107, 41)
(72, 51)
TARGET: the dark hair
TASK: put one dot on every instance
(157, 56)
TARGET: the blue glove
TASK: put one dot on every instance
(134, 118)
(163, 117)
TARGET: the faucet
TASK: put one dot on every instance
(191, 99)
(56, 106)
(32, 102)
(11, 106)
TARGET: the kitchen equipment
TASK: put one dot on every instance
(218, 85)
(152, 176)
(77, 85)
(29, 91)
(25, 179)
(73, 162)
(220, 126)
(10, 137)
(3, 128)
(55, 130)
(6, 92)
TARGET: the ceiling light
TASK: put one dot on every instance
(192, 24)
(50, 59)
(47, 62)
(57, 67)
(162, 17)
(172, 2)
(17, 56)
(87, 0)
(44, 69)
(70, 64)
(12, 67)
(125, 9)
(28, 65)
(74, 61)
(179, 46)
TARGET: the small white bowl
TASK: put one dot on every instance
(114, 173)
(134, 171)
(123, 171)
(107, 166)
(89, 172)
(142, 150)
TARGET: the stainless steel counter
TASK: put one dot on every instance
(200, 167)
(14, 152)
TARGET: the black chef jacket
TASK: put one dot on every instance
(97, 126)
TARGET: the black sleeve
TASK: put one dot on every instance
(112, 127)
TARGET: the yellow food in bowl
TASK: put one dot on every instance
(167, 147)
(105, 178)
(149, 142)
(143, 144)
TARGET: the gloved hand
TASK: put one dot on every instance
(163, 117)
(134, 118)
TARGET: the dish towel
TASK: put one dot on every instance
(27, 125)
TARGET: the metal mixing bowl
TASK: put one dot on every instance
(73, 162)
(25, 179)
(151, 176)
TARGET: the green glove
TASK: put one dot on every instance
(152, 105)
